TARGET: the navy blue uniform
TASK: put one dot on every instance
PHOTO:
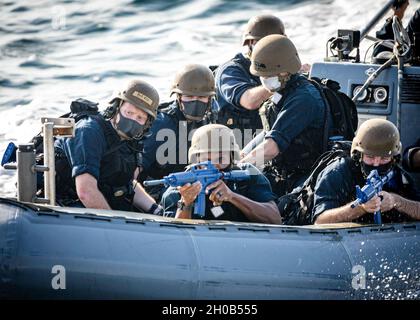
(233, 78)
(170, 124)
(97, 150)
(336, 187)
(297, 124)
(257, 189)
(86, 149)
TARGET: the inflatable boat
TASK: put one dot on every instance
(67, 253)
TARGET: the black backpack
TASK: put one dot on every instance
(79, 109)
(296, 207)
(342, 109)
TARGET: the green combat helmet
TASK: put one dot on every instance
(273, 55)
(194, 80)
(142, 95)
(213, 138)
(260, 26)
(377, 137)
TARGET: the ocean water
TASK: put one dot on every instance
(54, 51)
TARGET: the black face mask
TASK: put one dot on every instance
(382, 170)
(195, 109)
(130, 128)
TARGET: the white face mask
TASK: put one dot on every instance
(272, 84)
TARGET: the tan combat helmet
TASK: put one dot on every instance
(273, 55)
(142, 95)
(260, 26)
(213, 138)
(377, 137)
(194, 80)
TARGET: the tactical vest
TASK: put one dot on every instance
(304, 149)
(231, 213)
(296, 207)
(176, 115)
(116, 170)
(240, 118)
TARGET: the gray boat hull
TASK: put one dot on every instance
(117, 255)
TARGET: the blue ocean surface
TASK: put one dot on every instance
(54, 51)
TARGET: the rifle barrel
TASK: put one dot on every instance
(151, 183)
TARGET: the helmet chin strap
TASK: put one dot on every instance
(284, 80)
(180, 104)
(117, 111)
(249, 53)
(181, 107)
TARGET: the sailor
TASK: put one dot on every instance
(166, 147)
(386, 32)
(376, 146)
(250, 200)
(240, 93)
(296, 118)
(96, 168)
